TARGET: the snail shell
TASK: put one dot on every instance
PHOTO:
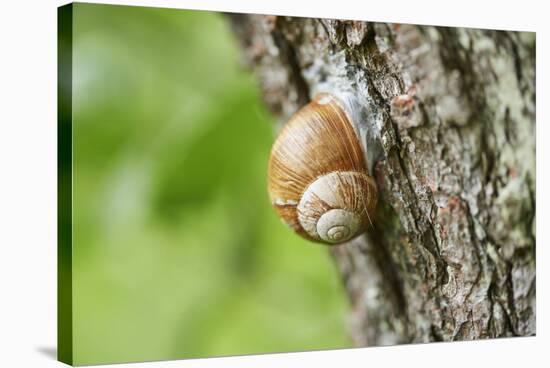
(317, 174)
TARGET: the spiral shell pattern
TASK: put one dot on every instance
(317, 176)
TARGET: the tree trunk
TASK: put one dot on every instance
(451, 254)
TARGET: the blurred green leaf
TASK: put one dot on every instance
(177, 252)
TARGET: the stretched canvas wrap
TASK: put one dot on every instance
(239, 184)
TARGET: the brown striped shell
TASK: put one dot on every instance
(317, 175)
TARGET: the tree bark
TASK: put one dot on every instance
(451, 254)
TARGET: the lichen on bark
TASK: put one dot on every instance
(451, 255)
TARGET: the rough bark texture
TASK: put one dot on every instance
(451, 255)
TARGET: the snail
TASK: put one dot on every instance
(318, 179)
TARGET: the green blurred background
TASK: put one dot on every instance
(177, 252)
